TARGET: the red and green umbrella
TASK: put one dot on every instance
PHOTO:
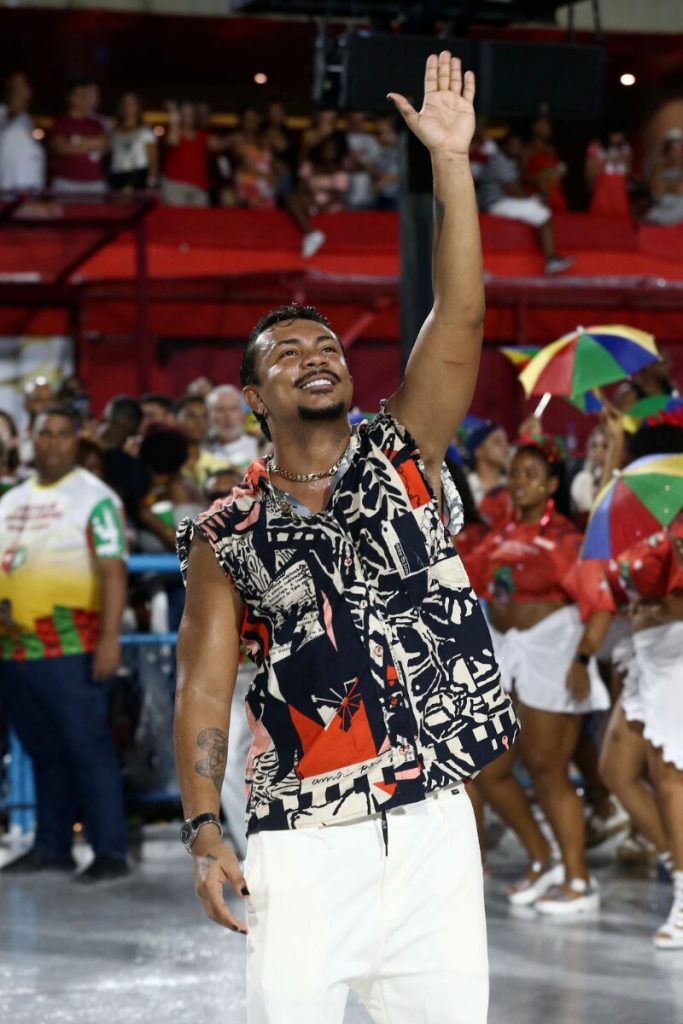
(643, 498)
(587, 359)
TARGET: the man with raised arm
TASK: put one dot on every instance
(376, 695)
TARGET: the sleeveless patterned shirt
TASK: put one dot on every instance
(376, 681)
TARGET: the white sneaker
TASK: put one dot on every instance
(670, 935)
(535, 883)
(557, 264)
(559, 903)
(313, 241)
(599, 829)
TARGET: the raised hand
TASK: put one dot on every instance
(445, 124)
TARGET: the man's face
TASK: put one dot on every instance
(226, 415)
(193, 420)
(91, 97)
(55, 443)
(19, 90)
(154, 412)
(38, 396)
(495, 449)
(303, 375)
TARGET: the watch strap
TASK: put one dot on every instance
(192, 826)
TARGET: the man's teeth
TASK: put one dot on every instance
(320, 381)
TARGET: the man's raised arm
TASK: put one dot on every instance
(208, 656)
(442, 370)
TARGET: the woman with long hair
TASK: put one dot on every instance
(523, 570)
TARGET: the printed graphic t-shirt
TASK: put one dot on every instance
(50, 538)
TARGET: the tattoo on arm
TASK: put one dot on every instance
(214, 743)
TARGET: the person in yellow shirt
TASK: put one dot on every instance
(62, 593)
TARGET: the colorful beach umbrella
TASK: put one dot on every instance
(587, 403)
(588, 358)
(641, 499)
(653, 405)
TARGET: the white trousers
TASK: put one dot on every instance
(332, 909)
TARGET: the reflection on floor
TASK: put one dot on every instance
(140, 950)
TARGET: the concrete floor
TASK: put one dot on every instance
(140, 950)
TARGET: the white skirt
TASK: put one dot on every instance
(624, 660)
(537, 661)
(659, 681)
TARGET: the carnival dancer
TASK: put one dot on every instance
(377, 694)
(649, 576)
(542, 647)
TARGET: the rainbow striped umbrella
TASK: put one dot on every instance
(587, 359)
(653, 405)
(641, 499)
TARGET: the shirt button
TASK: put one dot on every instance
(377, 651)
(348, 561)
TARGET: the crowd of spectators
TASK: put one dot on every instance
(341, 162)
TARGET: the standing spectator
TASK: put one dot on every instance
(324, 179)
(9, 442)
(666, 186)
(185, 181)
(134, 151)
(62, 593)
(79, 143)
(502, 195)
(364, 150)
(22, 158)
(122, 471)
(227, 437)
(608, 167)
(255, 174)
(193, 419)
(284, 147)
(586, 484)
(543, 169)
(170, 498)
(388, 165)
(325, 126)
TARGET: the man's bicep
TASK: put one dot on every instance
(209, 635)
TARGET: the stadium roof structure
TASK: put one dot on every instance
(499, 12)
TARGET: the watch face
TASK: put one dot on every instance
(185, 832)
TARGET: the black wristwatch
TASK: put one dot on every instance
(190, 828)
(582, 659)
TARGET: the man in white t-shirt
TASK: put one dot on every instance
(63, 588)
(227, 437)
(22, 158)
(501, 193)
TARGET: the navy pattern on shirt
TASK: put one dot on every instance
(376, 681)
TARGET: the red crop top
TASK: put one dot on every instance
(526, 562)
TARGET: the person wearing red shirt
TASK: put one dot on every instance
(521, 569)
(186, 170)
(79, 143)
(543, 169)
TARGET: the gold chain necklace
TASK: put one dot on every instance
(306, 478)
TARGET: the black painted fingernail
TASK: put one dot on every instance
(245, 891)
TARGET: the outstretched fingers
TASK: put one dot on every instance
(469, 87)
(405, 109)
(455, 84)
(431, 78)
(444, 70)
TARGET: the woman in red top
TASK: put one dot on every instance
(186, 169)
(646, 728)
(543, 169)
(521, 570)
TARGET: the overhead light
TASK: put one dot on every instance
(627, 78)
(260, 78)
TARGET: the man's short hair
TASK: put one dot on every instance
(156, 398)
(279, 315)
(67, 411)
(186, 400)
(125, 408)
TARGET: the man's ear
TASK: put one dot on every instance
(253, 400)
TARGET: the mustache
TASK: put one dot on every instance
(329, 374)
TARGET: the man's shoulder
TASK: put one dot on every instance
(90, 490)
(239, 510)
(15, 495)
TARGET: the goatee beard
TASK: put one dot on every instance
(328, 415)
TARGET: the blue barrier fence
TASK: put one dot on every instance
(20, 800)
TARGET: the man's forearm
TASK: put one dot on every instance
(114, 581)
(457, 270)
(201, 750)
